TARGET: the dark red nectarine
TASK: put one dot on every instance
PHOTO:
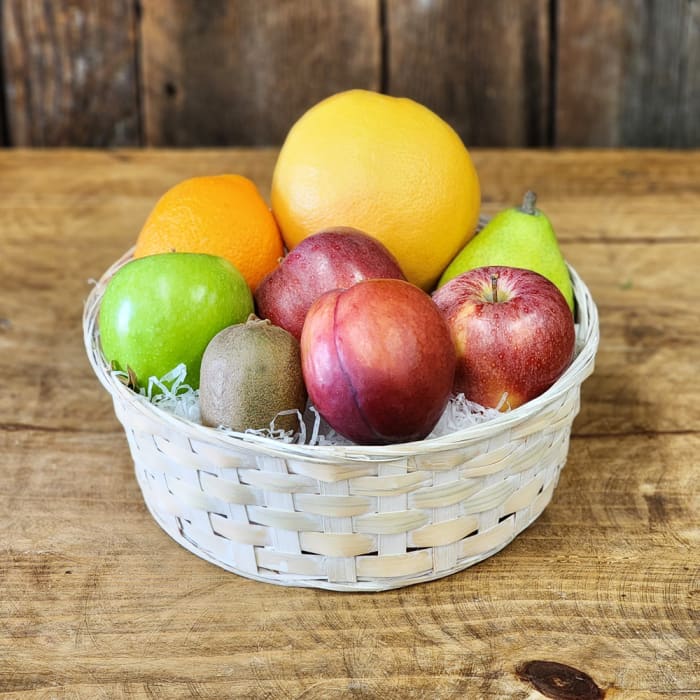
(378, 361)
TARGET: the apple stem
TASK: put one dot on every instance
(529, 201)
(494, 288)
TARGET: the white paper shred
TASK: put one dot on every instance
(276, 433)
(176, 396)
(180, 399)
(461, 413)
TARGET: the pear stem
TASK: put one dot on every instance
(529, 201)
(494, 288)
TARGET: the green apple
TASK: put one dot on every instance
(162, 310)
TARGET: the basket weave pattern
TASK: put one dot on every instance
(350, 517)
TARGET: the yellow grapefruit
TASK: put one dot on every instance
(388, 166)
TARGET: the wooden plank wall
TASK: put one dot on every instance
(184, 73)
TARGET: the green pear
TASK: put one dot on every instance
(517, 237)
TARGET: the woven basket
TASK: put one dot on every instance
(349, 518)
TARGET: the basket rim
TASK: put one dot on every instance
(587, 339)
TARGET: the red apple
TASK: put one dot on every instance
(513, 332)
(330, 259)
(378, 361)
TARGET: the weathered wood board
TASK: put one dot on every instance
(70, 73)
(96, 601)
(223, 73)
(627, 73)
(504, 73)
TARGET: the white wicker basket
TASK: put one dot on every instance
(349, 518)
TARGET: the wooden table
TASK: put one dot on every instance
(97, 602)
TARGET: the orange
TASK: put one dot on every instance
(222, 215)
(388, 166)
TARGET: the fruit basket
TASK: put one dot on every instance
(350, 517)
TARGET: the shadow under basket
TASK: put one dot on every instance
(350, 518)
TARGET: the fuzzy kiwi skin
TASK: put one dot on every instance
(250, 372)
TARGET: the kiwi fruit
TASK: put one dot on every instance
(250, 372)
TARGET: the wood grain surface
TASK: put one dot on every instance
(483, 66)
(97, 602)
(220, 72)
(627, 73)
(70, 73)
(237, 72)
